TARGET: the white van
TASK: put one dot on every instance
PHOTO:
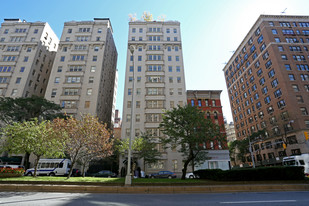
(298, 160)
(51, 167)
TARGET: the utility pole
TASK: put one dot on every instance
(128, 179)
(250, 150)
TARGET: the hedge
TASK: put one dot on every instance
(11, 172)
(253, 174)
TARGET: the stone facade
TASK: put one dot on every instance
(156, 68)
(27, 52)
(82, 80)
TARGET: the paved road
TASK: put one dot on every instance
(222, 199)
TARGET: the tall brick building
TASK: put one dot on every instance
(268, 85)
(209, 101)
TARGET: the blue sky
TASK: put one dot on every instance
(210, 29)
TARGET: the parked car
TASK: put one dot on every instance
(190, 175)
(103, 173)
(163, 174)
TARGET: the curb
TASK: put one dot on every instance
(152, 189)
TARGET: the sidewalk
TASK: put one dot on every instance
(152, 189)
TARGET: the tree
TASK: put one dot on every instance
(87, 139)
(25, 109)
(187, 127)
(33, 137)
(144, 147)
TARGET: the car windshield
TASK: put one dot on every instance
(290, 163)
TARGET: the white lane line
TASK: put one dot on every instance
(263, 201)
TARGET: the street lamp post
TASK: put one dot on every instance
(251, 152)
(128, 180)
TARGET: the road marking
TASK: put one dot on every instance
(263, 201)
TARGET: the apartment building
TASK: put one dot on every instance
(217, 150)
(154, 82)
(268, 85)
(82, 80)
(27, 52)
(230, 131)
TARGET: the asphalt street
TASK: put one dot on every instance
(222, 199)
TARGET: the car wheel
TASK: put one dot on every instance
(191, 176)
(51, 174)
(152, 177)
(169, 177)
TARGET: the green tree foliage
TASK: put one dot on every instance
(33, 137)
(86, 139)
(25, 109)
(187, 127)
(240, 148)
(143, 147)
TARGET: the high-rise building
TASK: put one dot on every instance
(83, 75)
(155, 66)
(27, 52)
(217, 150)
(268, 85)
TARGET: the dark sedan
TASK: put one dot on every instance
(163, 174)
(104, 173)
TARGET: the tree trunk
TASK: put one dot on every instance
(26, 161)
(36, 165)
(193, 165)
(184, 170)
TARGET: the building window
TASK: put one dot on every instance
(57, 80)
(177, 58)
(169, 58)
(139, 58)
(277, 40)
(22, 69)
(62, 58)
(199, 102)
(138, 91)
(307, 123)
(296, 152)
(281, 104)
(274, 31)
(295, 88)
(138, 104)
(303, 111)
(278, 93)
(87, 104)
(291, 77)
(178, 79)
(170, 79)
(284, 57)
(94, 58)
(299, 99)
(18, 79)
(89, 91)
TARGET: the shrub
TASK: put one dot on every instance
(11, 172)
(253, 174)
